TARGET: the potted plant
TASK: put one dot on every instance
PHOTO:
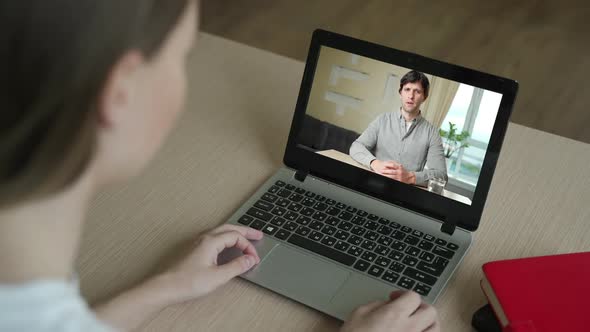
(453, 141)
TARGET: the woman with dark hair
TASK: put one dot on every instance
(89, 90)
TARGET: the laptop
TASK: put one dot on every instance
(338, 234)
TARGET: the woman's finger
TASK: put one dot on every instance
(247, 232)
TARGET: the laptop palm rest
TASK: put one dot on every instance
(300, 276)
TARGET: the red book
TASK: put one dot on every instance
(540, 294)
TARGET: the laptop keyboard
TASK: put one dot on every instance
(376, 246)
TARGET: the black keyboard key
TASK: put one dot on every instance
(439, 261)
(291, 226)
(376, 271)
(384, 240)
(444, 252)
(398, 245)
(303, 220)
(282, 234)
(357, 230)
(362, 213)
(382, 250)
(303, 231)
(341, 235)
(269, 197)
(412, 251)
(384, 221)
(369, 245)
(290, 186)
(270, 229)
(452, 246)
(417, 233)
(258, 224)
(345, 225)
(373, 217)
(370, 235)
(358, 220)
(426, 256)
(330, 201)
(300, 191)
(355, 251)
(282, 202)
(406, 229)
(320, 206)
(254, 212)
(440, 242)
(279, 211)
(361, 265)
(320, 198)
(280, 183)
(411, 240)
(341, 245)
(425, 245)
(316, 236)
(295, 207)
(344, 215)
(316, 225)
(355, 240)
(429, 237)
(396, 255)
(329, 230)
(321, 249)
(430, 268)
(278, 221)
(410, 261)
(398, 235)
(340, 206)
(394, 225)
(369, 256)
(382, 261)
(332, 211)
(351, 209)
(371, 225)
(245, 219)
(319, 216)
(309, 194)
(406, 283)
(291, 216)
(385, 230)
(422, 289)
(332, 221)
(306, 211)
(420, 276)
(329, 241)
(390, 276)
(273, 189)
(284, 193)
(308, 202)
(296, 198)
(397, 267)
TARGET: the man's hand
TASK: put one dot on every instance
(198, 274)
(393, 170)
(405, 312)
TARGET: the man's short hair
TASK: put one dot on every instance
(413, 77)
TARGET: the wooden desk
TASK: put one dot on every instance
(232, 138)
(343, 157)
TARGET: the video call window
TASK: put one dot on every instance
(436, 129)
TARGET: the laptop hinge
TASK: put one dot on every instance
(448, 226)
(300, 175)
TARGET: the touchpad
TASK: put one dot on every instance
(299, 276)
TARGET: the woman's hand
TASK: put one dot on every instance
(199, 274)
(405, 312)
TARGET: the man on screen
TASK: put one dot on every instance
(400, 143)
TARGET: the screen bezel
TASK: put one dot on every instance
(438, 207)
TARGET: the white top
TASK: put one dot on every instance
(46, 306)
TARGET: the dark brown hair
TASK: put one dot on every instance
(56, 56)
(413, 77)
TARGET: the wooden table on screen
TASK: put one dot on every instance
(232, 138)
(335, 154)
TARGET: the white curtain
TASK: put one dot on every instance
(440, 97)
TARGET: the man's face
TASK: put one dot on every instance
(412, 96)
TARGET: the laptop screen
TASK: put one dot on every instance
(405, 125)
